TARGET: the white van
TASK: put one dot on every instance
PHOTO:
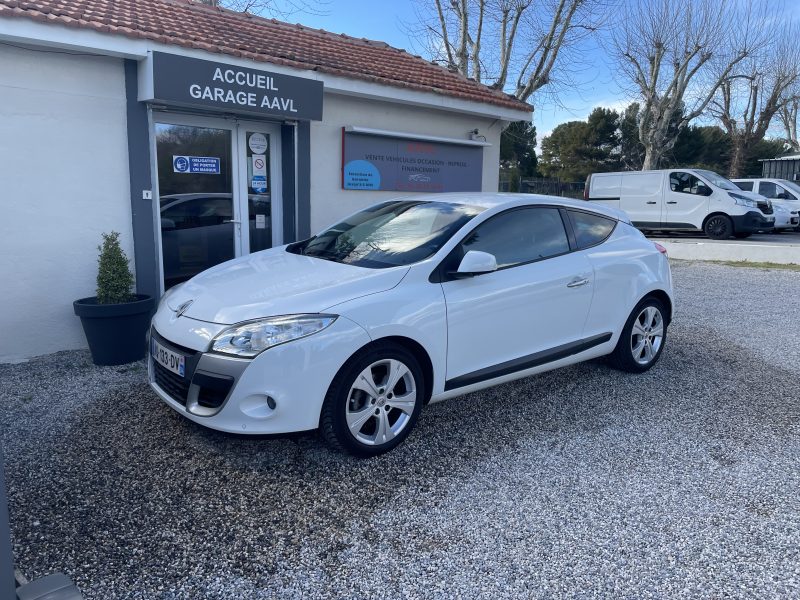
(682, 200)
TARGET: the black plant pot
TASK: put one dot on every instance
(115, 332)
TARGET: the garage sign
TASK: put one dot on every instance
(192, 82)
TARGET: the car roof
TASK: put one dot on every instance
(499, 200)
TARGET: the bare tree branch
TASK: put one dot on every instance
(500, 40)
(675, 55)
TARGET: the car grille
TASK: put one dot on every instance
(765, 207)
(173, 384)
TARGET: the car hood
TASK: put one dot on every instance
(276, 282)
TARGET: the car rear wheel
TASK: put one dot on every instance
(643, 338)
(719, 227)
(374, 401)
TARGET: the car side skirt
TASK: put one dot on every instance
(526, 362)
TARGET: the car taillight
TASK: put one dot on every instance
(660, 248)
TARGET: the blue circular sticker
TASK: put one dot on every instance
(180, 164)
(361, 175)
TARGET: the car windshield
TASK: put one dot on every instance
(719, 181)
(390, 234)
(792, 186)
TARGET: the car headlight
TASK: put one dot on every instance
(252, 338)
(742, 200)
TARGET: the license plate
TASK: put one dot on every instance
(167, 358)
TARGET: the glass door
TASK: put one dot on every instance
(259, 165)
(196, 200)
(218, 191)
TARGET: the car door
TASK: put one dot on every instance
(687, 198)
(642, 198)
(536, 301)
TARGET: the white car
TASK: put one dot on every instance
(785, 197)
(407, 302)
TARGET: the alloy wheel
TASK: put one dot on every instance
(381, 402)
(647, 335)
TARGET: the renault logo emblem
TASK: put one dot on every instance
(183, 308)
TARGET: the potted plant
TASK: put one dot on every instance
(115, 321)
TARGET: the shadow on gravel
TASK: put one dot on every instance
(111, 486)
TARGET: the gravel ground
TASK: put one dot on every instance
(581, 482)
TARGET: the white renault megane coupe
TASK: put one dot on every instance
(407, 302)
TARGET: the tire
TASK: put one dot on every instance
(624, 356)
(741, 235)
(366, 418)
(718, 227)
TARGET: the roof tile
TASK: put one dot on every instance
(221, 31)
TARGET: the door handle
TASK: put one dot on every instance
(652, 202)
(233, 221)
(672, 202)
(577, 282)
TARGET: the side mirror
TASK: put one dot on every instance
(474, 263)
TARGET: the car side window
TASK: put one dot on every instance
(590, 229)
(786, 194)
(520, 236)
(747, 186)
(768, 189)
(686, 183)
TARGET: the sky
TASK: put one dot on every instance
(592, 75)
(593, 80)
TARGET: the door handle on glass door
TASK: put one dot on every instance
(233, 221)
(577, 282)
(652, 202)
(672, 202)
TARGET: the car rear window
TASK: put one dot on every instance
(590, 229)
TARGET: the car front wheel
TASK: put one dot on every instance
(373, 402)
(719, 227)
(643, 338)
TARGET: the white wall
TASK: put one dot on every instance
(329, 202)
(64, 180)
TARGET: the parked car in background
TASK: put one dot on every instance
(408, 301)
(785, 197)
(682, 200)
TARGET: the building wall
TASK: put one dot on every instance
(329, 202)
(64, 174)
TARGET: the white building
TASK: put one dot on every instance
(202, 134)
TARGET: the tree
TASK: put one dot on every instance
(518, 153)
(577, 148)
(704, 147)
(514, 44)
(746, 104)
(788, 116)
(631, 150)
(675, 55)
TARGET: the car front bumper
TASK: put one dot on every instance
(752, 221)
(279, 391)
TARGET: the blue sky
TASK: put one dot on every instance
(384, 20)
(592, 78)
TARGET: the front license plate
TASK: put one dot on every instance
(167, 358)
